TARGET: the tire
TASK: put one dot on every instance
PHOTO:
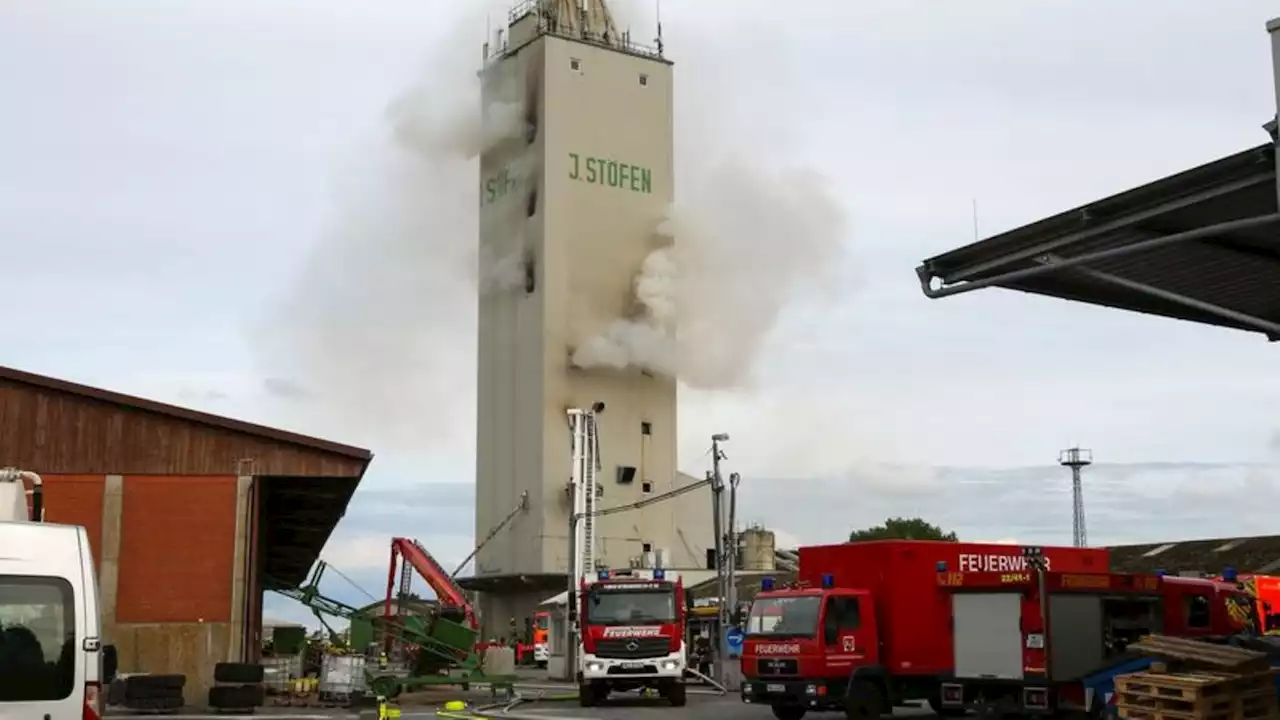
(676, 695)
(115, 692)
(587, 695)
(235, 697)
(935, 704)
(788, 712)
(147, 687)
(864, 701)
(238, 673)
(162, 703)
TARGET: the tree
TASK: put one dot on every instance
(897, 528)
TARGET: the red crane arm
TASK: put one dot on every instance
(447, 591)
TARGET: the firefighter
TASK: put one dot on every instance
(383, 660)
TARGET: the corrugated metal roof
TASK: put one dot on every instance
(1247, 555)
(1238, 270)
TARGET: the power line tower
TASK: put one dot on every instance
(1076, 458)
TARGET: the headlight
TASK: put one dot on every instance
(670, 664)
(594, 667)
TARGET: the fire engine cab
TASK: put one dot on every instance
(631, 634)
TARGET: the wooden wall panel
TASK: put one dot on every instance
(61, 432)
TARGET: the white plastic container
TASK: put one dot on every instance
(342, 674)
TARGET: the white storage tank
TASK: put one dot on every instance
(757, 549)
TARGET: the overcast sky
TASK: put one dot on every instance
(185, 183)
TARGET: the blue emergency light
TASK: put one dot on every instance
(659, 574)
(828, 580)
(766, 584)
(941, 566)
(602, 575)
(1229, 574)
(1159, 573)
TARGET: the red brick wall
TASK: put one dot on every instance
(177, 548)
(76, 500)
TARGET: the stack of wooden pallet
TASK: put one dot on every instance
(1197, 680)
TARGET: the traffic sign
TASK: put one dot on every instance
(733, 639)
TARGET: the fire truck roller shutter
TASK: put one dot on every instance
(988, 635)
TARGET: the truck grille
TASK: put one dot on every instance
(632, 648)
(777, 666)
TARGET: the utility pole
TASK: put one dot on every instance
(732, 676)
(722, 580)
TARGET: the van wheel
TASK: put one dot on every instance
(788, 712)
(863, 702)
(587, 696)
(676, 695)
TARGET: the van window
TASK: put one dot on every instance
(37, 639)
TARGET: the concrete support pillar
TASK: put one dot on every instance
(109, 552)
(240, 570)
(1273, 27)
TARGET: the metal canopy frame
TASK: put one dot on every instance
(1202, 245)
(1048, 262)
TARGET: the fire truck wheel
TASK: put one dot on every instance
(788, 712)
(587, 696)
(676, 695)
(864, 701)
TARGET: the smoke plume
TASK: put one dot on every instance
(375, 340)
(748, 240)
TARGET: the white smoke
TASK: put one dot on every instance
(377, 332)
(749, 240)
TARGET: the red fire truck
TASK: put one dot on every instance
(632, 634)
(872, 625)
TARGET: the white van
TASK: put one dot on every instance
(50, 634)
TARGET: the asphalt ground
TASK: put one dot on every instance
(700, 707)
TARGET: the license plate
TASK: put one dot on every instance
(775, 688)
(632, 666)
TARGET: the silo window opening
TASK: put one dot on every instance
(530, 273)
(644, 80)
(626, 474)
(646, 428)
(646, 547)
(575, 64)
(531, 206)
(646, 487)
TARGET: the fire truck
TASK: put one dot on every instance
(541, 638)
(631, 634)
(872, 625)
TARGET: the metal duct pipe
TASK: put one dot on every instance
(36, 492)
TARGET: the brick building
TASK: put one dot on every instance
(189, 514)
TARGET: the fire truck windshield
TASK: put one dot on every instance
(795, 616)
(622, 605)
(542, 622)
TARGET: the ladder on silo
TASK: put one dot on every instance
(585, 487)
